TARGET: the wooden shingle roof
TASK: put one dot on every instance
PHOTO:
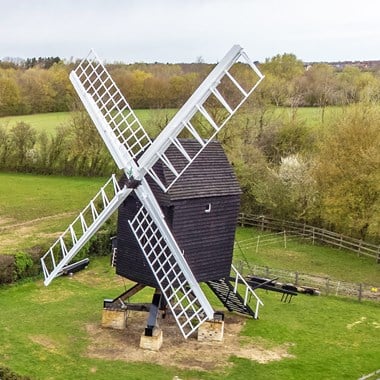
(209, 175)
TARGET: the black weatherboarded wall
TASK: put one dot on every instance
(201, 209)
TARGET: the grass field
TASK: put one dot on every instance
(54, 333)
(33, 209)
(48, 122)
(307, 258)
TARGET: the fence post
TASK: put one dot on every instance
(360, 248)
(262, 223)
(242, 219)
(337, 288)
(284, 239)
(257, 243)
(360, 291)
(313, 235)
(341, 242)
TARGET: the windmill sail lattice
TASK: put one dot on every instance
(116, 122)
(80, 231)
(219, 92)
(185, 306)
(127, 140)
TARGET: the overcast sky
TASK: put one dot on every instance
(183, 31)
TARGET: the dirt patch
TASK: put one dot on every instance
(45, 342)
(178, 352)
(4, 220)
(32, 222)
(15, 234)
(51, 295)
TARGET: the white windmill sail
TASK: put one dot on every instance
(186, 300)
(116, 122)
(80, 231)
(221, 90)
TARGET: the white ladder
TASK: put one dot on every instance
(100, 208)
(173, 275)
(220, 91)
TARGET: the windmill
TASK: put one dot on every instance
(161, 164)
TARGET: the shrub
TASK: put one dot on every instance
(7, 374)
(7, 269)
(23, 263)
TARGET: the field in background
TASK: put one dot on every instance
(50, 121)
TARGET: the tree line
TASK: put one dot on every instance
(326, 175)
(39, 85)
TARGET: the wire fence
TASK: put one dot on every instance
(315, 234)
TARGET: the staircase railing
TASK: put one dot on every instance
(239, 279)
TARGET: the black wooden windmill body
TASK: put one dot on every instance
(179, 198)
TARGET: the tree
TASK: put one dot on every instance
(347, 171)
(4, 146)
(22, 138)
(37, 93)
(88, 155)
(287, 191)
(281, 75)
(321, 87)
(9, 93)
(62, 90)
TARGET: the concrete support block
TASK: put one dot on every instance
(114, 318)
(211, 331)
(153, 342)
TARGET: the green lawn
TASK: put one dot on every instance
(307, 258)
(49, 333)
(311, 116)
(48, 122)
(34, 209)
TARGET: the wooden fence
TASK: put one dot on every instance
(315, 234)
(325, 285)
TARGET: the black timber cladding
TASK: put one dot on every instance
(200, 208)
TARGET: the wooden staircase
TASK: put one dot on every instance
(224, 290)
